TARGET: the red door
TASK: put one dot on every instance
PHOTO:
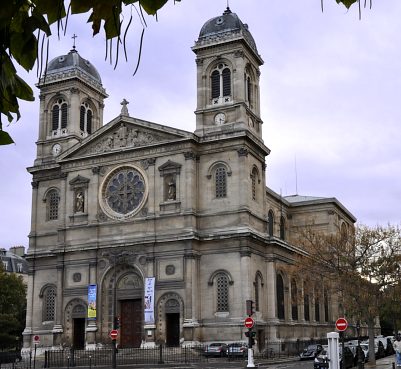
(131, 323)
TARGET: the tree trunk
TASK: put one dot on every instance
(371, 332)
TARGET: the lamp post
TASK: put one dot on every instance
(114, 258)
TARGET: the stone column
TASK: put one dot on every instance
(92, 328)
(58, 327)
(191, 308)
(28, 331)
(271, 300)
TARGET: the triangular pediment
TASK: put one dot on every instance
(125, 133)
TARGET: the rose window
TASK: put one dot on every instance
(124, 192)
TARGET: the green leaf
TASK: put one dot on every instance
(347, 3)
(54, 9)
(152, 6)
(5, 138)
(81, 6)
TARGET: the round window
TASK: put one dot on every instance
(124, 192)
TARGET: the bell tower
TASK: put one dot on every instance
(71, 105)
(228, 62)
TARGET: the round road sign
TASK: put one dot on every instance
(341, 324)
(249, 322)
(36, 339)
(114, 334)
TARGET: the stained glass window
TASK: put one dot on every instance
(52, 200)
(49, 304)
(221, 182)
(222, 292)
(124, 191)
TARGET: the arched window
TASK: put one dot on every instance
(85, 119)
(52, 204)
(255, 180)
(280, 296)
(222, 283)
(49, 304)
(220, 84)
(294, 300)
(282, 228)
(221, 181)
(59, 116)
(270, 223)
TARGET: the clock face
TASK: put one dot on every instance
(56, 149)
(220, 118)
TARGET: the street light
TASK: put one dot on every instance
(115, 258)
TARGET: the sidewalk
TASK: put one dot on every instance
(385, 363)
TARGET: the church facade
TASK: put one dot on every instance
(167, 231)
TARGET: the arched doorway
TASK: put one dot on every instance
(128, 304)
(172, 310)
(75, 323)
(78, 327)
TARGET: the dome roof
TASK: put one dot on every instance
(225, 25)
(72, 61)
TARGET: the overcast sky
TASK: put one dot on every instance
(330, 91)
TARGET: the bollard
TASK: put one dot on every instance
(90, 361)
(393, 365)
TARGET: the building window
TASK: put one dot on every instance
(253, 177)
(221, 181)
(326, 307)
(317, 309)
(52, 200)
(59, 116)
(85, 119)
(19, 268)
(282, 228)
(306, 307)
(221, 84)
(222, 283)
(5, 265)
(49, 304)
(270, 221)
(280, 296)
(294, 300)
(258, 287)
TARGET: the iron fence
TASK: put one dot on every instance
(165, 355)
(103, 356)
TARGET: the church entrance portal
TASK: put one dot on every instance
(79, 333)
(172, 329)
(131, 323)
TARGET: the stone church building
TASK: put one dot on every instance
(119, 205)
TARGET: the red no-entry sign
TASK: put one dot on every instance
(36, 339)
(341, 324)
(249, 322)
(114, 334)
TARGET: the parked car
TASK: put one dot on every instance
(319, 362)
(216, 349)
(365, 349)
(310, 352)
(10, 357)
(237, 349)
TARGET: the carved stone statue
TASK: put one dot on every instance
(171, 195)
(79, 201)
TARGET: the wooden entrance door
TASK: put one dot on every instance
(131, 323)
(79, 333)
(173, 329)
